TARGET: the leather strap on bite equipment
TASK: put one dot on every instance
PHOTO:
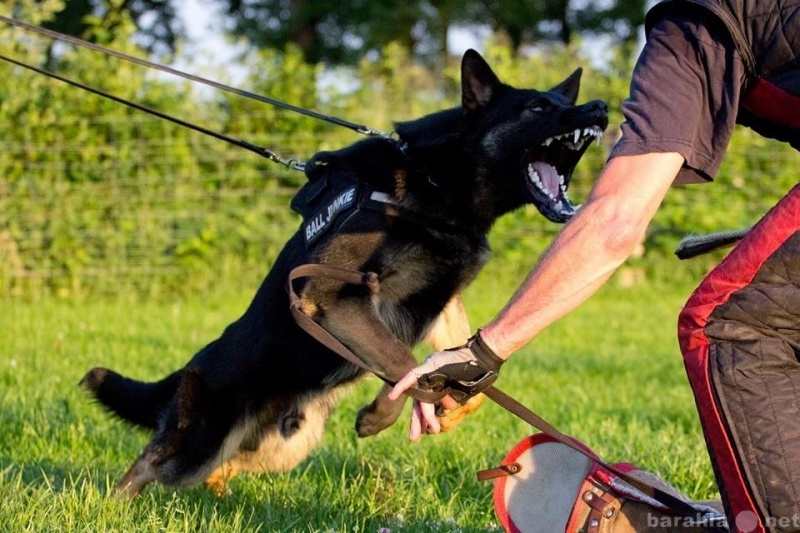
(350, 277)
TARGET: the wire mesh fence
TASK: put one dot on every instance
(134, 203)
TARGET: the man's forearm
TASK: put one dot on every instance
(588, 250)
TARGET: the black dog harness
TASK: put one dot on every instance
(329, 202)
(330, 199)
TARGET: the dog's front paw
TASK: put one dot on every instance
(377, 416)
(450, 419)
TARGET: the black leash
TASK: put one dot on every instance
(272, 156)
(291, 163)
(360, 128)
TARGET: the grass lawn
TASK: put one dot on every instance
(610, 374)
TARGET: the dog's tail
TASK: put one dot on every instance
(135, 401)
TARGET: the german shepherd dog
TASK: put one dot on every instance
(414, 210)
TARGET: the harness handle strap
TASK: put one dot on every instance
(352, 277)
(676, 505)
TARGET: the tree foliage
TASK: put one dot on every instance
(157, 23)
(345, 31)
(337, 32)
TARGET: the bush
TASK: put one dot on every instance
(96, 197)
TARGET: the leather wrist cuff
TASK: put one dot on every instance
(484, 354)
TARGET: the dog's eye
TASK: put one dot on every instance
(535, 108)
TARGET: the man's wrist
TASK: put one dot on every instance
(484, 353)
(493, 341)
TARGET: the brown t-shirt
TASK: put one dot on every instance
(685, 94)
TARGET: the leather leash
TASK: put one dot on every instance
(351, 277)
(672, 503)
(370, 280)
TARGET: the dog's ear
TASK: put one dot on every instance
(478, 81)
(570, 86)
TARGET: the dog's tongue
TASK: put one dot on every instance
(550, 178)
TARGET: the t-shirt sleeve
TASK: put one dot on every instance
(684, 94)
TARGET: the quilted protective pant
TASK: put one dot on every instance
(740, 338)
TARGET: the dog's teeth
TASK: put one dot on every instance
(547, 141)
(577, 135)
(535, 178)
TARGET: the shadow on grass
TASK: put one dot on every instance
(332, 491)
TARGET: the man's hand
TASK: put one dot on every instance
(465, 370)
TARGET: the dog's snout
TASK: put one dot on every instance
(597, 106)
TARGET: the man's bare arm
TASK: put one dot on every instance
(583, 256)
(588, 250)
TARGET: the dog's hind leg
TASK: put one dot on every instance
(189, 443)
(451, 328)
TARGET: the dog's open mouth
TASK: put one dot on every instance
(550, 166)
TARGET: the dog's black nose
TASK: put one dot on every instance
(598, 106)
